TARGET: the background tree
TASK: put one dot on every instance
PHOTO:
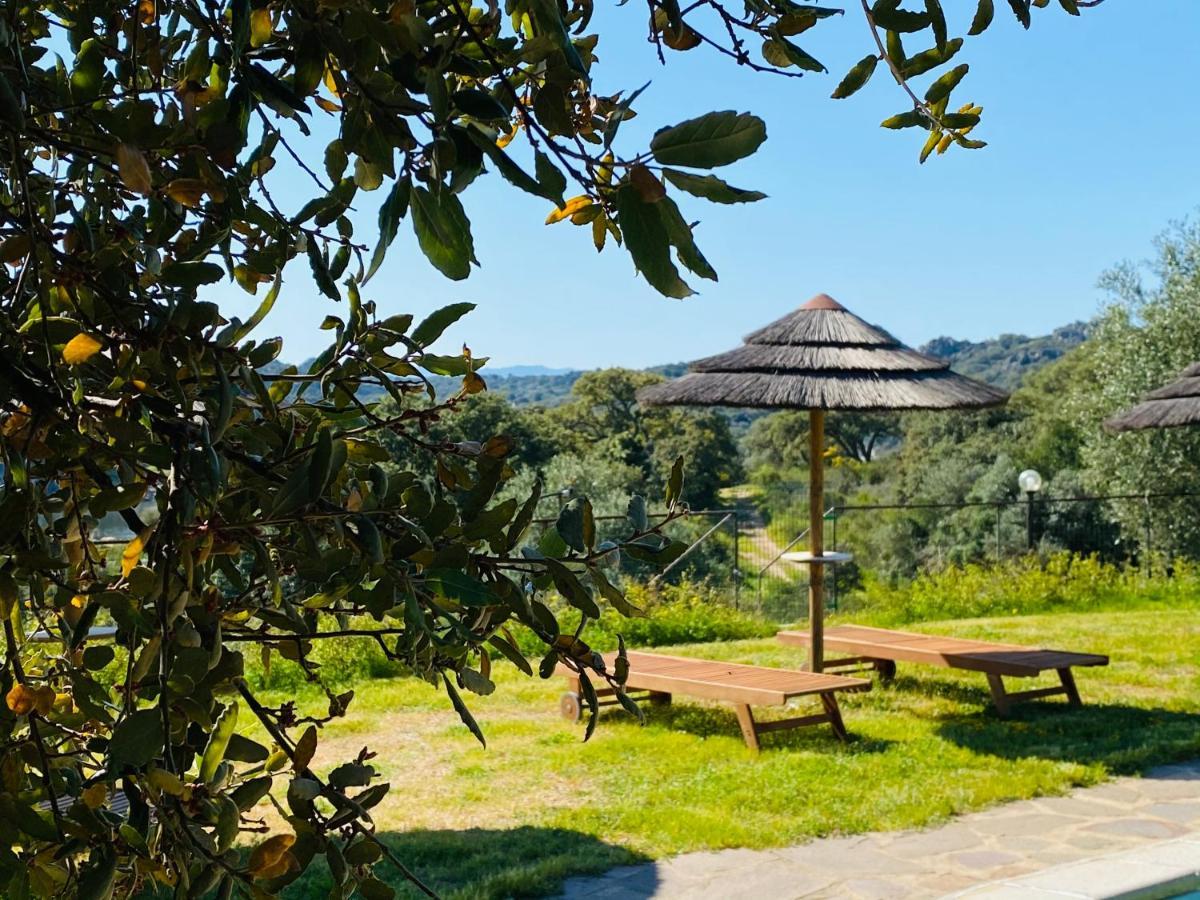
(141, 162)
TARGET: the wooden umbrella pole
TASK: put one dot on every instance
(816, 537)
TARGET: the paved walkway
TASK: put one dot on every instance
(998, 844)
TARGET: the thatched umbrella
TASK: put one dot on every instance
(822, 357)
(1175, 403)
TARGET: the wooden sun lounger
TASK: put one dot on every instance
(662, 676)
(883, 648)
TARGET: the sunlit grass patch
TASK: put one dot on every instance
(538, 805)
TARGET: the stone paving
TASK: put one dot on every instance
(999, 844)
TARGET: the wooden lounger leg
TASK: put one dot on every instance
(1068, 683)
(829, 701)
(886, 669)
(746, 721)
(999, 694)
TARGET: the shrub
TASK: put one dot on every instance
(1026, 585)
(684, 613)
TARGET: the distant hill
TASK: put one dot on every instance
(1005, 360)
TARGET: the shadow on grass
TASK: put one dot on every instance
(720, 721)
(483, 864)
(1124, 739)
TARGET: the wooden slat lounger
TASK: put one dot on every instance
(743, 686)
(883, 648)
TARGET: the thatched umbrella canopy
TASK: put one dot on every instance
(1175, 403)
(822, 357)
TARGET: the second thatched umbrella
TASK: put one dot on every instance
(822, 357)
(1174, 404)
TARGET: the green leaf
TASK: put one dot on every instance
(574, 523)
(648, 243)
(524, 517)
(941, 88)
(858, 75)
(636, 512)
(190, 274)
(320, 271)
(937, 20)
(675, 482)
(613, 595)
(1020, 9)
(714, 139)
(572, 589)
(781, 53)
(336, 160)
(463, 712)
(512, 173)
(553, 181)
(511, 653)
(261, 313)
(710, 187)
(479, 105)
(435, 323)
(443, 231)
(983, 17)
(1071, 7)
(679, 233)
(136, 740)
(218, 741)
(910, 119)
(887, 14)
(390, 214)
(930, 59)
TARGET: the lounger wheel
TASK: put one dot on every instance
(570, 707)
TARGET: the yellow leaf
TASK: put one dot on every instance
(94, 796)
(331, 82)
(573, 206)
(186, 191)
(261, 27)
(21, 699)
(599, 232)
(473, 384)
(80, 349)
(133, 552)
(133, 168)
(270, 852)
(286, 863)
(328, 105)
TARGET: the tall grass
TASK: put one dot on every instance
(1061, 582)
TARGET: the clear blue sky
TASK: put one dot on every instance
(1094, 134)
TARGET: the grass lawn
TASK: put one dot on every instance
(537, 805)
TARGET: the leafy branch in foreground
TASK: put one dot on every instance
(155, 149)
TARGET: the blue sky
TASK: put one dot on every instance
(1094, 135)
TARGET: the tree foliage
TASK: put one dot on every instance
(143, 147)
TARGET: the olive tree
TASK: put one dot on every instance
(141, 165)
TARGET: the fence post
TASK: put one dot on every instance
(1149, 533)
(737, 562)
(999, 507)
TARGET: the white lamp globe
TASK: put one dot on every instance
(1029, 481)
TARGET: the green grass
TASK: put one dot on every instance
(538, 805)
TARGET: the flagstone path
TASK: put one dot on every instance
(1001, 844)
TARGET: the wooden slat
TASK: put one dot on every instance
(733, 682)
(959, 653)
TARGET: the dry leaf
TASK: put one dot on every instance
(573, 206)
(186, 191)
(80, 349)
(132, 553)
(133, 168)
(270, 852)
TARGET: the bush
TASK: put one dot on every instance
(1061, 582)
(677, 614)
